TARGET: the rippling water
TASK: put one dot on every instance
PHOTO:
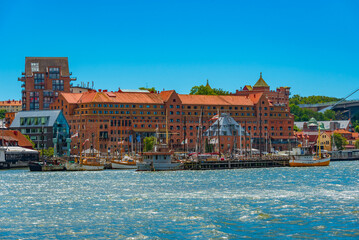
(273, 203)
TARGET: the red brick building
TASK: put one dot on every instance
(105, 118)
(44, 78)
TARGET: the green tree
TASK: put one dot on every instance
(356, 128)
(207, 90)
(329, 115)
(47, 152)
(202, 90)
(149, 143)
(2, 113)
(296, 99)
(152, 89)
(28, 138)
(296, 129)
(357, 144)
(220, 91)
(339, 141)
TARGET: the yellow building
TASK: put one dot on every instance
(11, 105)
(325, 141)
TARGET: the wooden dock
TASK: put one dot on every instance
(235, 164)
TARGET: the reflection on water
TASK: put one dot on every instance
(312, 203)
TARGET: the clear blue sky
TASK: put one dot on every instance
(311, 46)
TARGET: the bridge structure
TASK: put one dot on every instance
(351, 107)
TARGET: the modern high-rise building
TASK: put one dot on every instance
(43, 79)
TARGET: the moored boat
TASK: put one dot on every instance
(125, 163)
(47, 165)
(302, 157)
(161, 159)
(85, 164)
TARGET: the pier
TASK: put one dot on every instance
(236, 163)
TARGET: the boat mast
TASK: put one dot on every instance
(240, 139)
(260, 128)
(121, 138)
(184, 134)
(219, 143)
(198, 141)
(245, 138)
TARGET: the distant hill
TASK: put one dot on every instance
(296, 99)
(302, 114)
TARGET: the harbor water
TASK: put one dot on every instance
(274, 203)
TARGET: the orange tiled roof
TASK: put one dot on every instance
(10, 103)
(255, 97)
(21, 139)
(72, 97)
(215, 100)
(165, 95)
(342, 131)
(121, 97)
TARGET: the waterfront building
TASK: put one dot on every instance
(110, 120)
(43, 126)
(14, 138)
(280, 97)
(44, 78)
(11, 105)
(227, 133)
(328, 128)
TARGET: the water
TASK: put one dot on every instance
(277, 203)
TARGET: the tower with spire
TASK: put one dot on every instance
(261, 85)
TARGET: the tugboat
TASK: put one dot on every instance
(161, 159)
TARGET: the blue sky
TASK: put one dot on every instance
(311, 46)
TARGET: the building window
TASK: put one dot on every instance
(54, 73)
(58, 85)
(34, 67)
(39, 81)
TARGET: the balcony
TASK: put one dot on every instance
(22, 79)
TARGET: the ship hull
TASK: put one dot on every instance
(309, 162)
(40, 167)
(119, 165)
(147, 166)
(83, 167)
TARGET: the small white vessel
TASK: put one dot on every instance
(159, 160)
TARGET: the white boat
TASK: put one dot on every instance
(301, 157)
(85, 164)
(159, 160)
(125, 163)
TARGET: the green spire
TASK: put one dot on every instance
(261, 82)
